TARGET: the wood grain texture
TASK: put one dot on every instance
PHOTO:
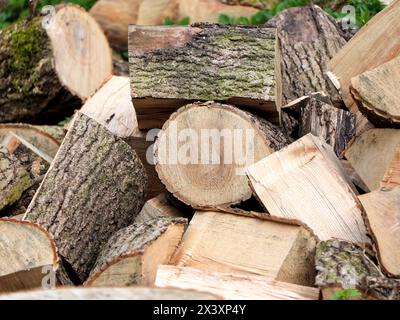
(172, 66)
(133, 254)
(232, 286)
(391, 178)
(306, 181)
(377, 92)
(371, 154)
(382, 210)
(94, 187)
(231, 243)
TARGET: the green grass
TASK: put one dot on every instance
(346, 294)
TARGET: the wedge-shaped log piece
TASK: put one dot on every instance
(112, 107)
(232, 286)
(342, 265)
(36, 135)
(172, 66)
(95, 186)
(134, 253)
(378, 93)
(136, 293)
(392, 175)
(28, 257)
(382, 210)
(367, 50)
(203, 150)
(40, 78)
(157, 207)
(372, 154)
(234, 243)
(306, 181)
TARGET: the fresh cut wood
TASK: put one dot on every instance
(371, 154)
(382, 209)
(203, 150)
(391, 178)
(239, 244)
(306, 181)
(95, 186)
(28, 257)
(173, 66)
(41, 80)
(133, 254)
(232, 286)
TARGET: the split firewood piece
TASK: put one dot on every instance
(308, 39)
(308, 173)
(144, 147)
(342, 265)
(35, 135)
(233, 243)
(377, 92)
(353, 175)
(95, 186)
(366, 51)
(133, 254)
(35, 162)
(157, 207)
(112, 107)
(382, 210)
(372, 153)
(28, 257)
(40, 78)
(203, 150)
(336, 126)
(232, 286)
(132, 293)
(391, 178)
(15, 179)
(55, 131)
(239, 67)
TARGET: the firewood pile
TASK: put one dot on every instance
(233, 163)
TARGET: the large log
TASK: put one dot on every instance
(306, 181)
(112, 107)
(365, 51)
(232, 286)
(203, 149)
(209, 62)
(133, 254)
(28, 257)
(342, 265)
(95, 186)
(133, 293)
(371, 154)
(377, 94)
(382, 209)
(242, 244)
(42, 80)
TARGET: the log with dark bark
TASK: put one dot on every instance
(308, 39)
(342, 265)
(94, 187)
(205, 166)
(210, 62)
(28, 257)
(39, 79)
(133, 254)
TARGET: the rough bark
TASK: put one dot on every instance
(308, 39)
(33, 62)
(207, 179)
(343, 265)
(210, 62)
(136, 293)
(306, 181)
(94, 187)
(28, 255)
(133, 254)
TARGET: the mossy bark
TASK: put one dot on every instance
(30, 89)
(94, 187)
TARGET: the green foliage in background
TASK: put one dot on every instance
(346, 294)
(17, 9)
(170, 22)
